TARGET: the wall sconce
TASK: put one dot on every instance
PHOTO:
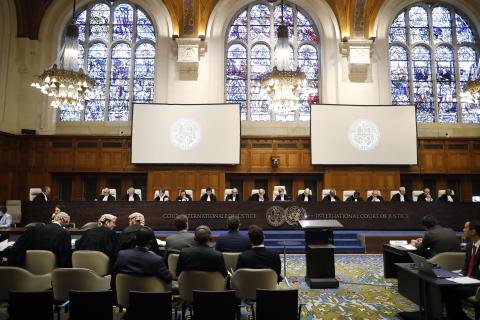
(201, 37)
(174, 37)
(275, 161)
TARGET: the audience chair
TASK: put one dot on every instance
(80, 279)
(449, 260)
(204, 190)
(96, 261)
(276, 191)
(231, 259)
(247, 281)
(113, 192)
(254, 191)
(34, 192)
(19, 279)
(188, 281)
(440, 193)
(150, 305)
(393, 192)
(90, 305)
(189, 192)
(127, 282)
(278, 305)
(14, 207)
(415, 194)
(40, 261)
(300, 191)
(89, 225)
(34, 225)
(172, 261)
(30, 305)
(475, 301)
(325, 192)
(214, 305)
(369, 193)
(347, 193)
(139, 192)
(226, 193)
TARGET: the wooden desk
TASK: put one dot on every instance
(391, 256)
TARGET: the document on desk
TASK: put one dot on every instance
(5, 244)
(408, 247)
(464, 280)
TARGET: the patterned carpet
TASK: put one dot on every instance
(363, 292)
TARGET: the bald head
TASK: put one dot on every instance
(202, 234)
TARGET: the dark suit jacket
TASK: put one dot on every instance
(127, 239)
(444, 198)
(438, 240)
(260, 258)
(328, 198)
(476, 264)
(285, 197)
(201, 258)
(110, 197)
(165, 198)
(396, 198)
(230, 197)
(136, 197)
(422, 198)
(212, 197)
(40, 198)
(100, 239)
(179, 198)
(140, 261)
(352, 199)
(51, 237)
(302, 197)
(370, 199)
(255, 197)
(232, 242)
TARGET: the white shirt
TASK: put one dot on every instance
(260, 199)
(428, 198)
(130, 198)
(185, 199)
(449, 198)
(375, 199)
(402, 198)
(208, 198)
(332, 199)
(105, 198)
(234, 197)
(305, 198)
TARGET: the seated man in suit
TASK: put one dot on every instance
(102, 238)
(161, 196)
(208, 195)
(375, 197)
(437, 239)
(282, 195)
(401, 196)
(306, 196)
(131, 195)
(43, 196)
(258, 257)
(105, 196)
(127, 238)
(52, 237)
(182, 239)
(355, 197)
(447, 196)
(234, 196)
(5, 218)
(141, 260)
(201, 257)
(425, 196)
(259, 197)
(233, 240)
(331, 196)
(453, 296)
(184, 196)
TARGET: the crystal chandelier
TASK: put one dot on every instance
(65, 82)
(284, 83)
(472, 89)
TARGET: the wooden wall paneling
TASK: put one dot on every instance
(111, 160)
(77, 188)
(432, 156)
(466, 188)
(458, 156)
(61, 160)
(87, 160)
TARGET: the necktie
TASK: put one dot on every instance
(471, 262)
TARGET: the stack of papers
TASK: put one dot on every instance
(5, 244)
(408, 247)
(464, 280)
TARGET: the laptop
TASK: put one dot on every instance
(429, 268)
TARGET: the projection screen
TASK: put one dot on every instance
(380, 135)
(186, 134)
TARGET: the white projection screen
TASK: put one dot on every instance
(186, 134)
(364, 135)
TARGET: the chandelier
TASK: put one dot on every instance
(65, 82)
(284, 83)
(472, 89)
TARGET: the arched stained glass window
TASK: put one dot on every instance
(117, 49)
(433, 54)
(250, 44)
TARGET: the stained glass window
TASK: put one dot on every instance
(117, 49)
(433, 53)
(251, 40)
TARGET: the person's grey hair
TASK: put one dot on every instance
(138, 217)
(62, 216)
(105, 218)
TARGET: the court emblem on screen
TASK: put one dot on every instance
(364, 134)
(185, 134)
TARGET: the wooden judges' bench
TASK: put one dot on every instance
(359, 216)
